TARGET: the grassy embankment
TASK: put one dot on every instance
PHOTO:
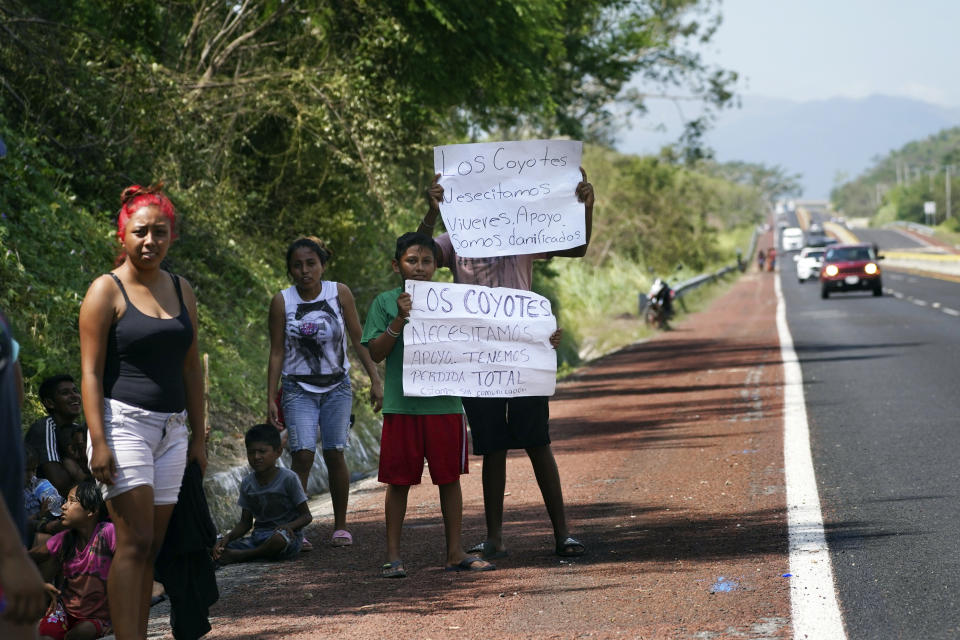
(599, 304)
(53, 247)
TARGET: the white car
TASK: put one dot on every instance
(809, 262)
(791, 239)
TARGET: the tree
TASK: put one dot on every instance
(659, 213)
(272, 118)
(909, 168)
(773, 182)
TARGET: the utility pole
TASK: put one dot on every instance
(948, 192)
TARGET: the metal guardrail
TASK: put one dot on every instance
(688, 285)
(696, 281)
(913, 226)
(754, 240)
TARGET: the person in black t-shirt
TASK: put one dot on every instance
(53, 435)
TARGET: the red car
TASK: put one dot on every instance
(850, 267)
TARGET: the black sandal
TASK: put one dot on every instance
(570, 548)
(393, 570)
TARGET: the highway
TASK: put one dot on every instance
(887, 238)
(880, 380)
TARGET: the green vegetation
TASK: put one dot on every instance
(599, 303)
(898, 184)
(268, 120)
(661, 213)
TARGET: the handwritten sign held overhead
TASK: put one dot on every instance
(511, 198)
(477, 342)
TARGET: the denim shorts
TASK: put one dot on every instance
(259, 536)
(305, 413)
(149, 447)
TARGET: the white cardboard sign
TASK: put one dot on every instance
(511, 198)
(477, 342)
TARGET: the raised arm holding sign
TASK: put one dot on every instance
(510, 198)
(500, 424)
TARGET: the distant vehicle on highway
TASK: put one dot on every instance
(817, 239)
(791, 239)
(850, 267)
(809, 261)
(840, 220)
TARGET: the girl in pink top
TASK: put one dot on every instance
(83, 554)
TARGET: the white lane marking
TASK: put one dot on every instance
(921, 303)
(813, 597)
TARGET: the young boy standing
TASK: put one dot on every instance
(416, 428)
(272, 502)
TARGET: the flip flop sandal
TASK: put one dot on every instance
(487, 551)
(564, 549)
(467, 564)
(306, 545)
(393, 570)
(341, 538)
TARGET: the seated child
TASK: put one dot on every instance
(272, 501)
(416, 428)
(82, 555)
(41, 501)
(73, 452)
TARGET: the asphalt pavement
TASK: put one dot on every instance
(880, 378)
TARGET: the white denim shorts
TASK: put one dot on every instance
(150, 448)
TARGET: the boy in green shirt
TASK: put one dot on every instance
(416, 428)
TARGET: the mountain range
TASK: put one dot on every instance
(823, 140)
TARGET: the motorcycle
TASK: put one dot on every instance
(659, 305)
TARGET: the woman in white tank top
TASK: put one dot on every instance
(309, 326)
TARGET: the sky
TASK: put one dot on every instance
(816, 49)
(790, 52)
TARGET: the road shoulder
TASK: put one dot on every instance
(671, 456)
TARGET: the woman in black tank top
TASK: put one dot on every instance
(138, 350)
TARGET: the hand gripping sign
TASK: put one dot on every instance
(477, 342)
(511, 198)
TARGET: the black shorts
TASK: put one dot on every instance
(498, 424)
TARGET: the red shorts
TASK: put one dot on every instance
(407, 439)
(56, 625)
